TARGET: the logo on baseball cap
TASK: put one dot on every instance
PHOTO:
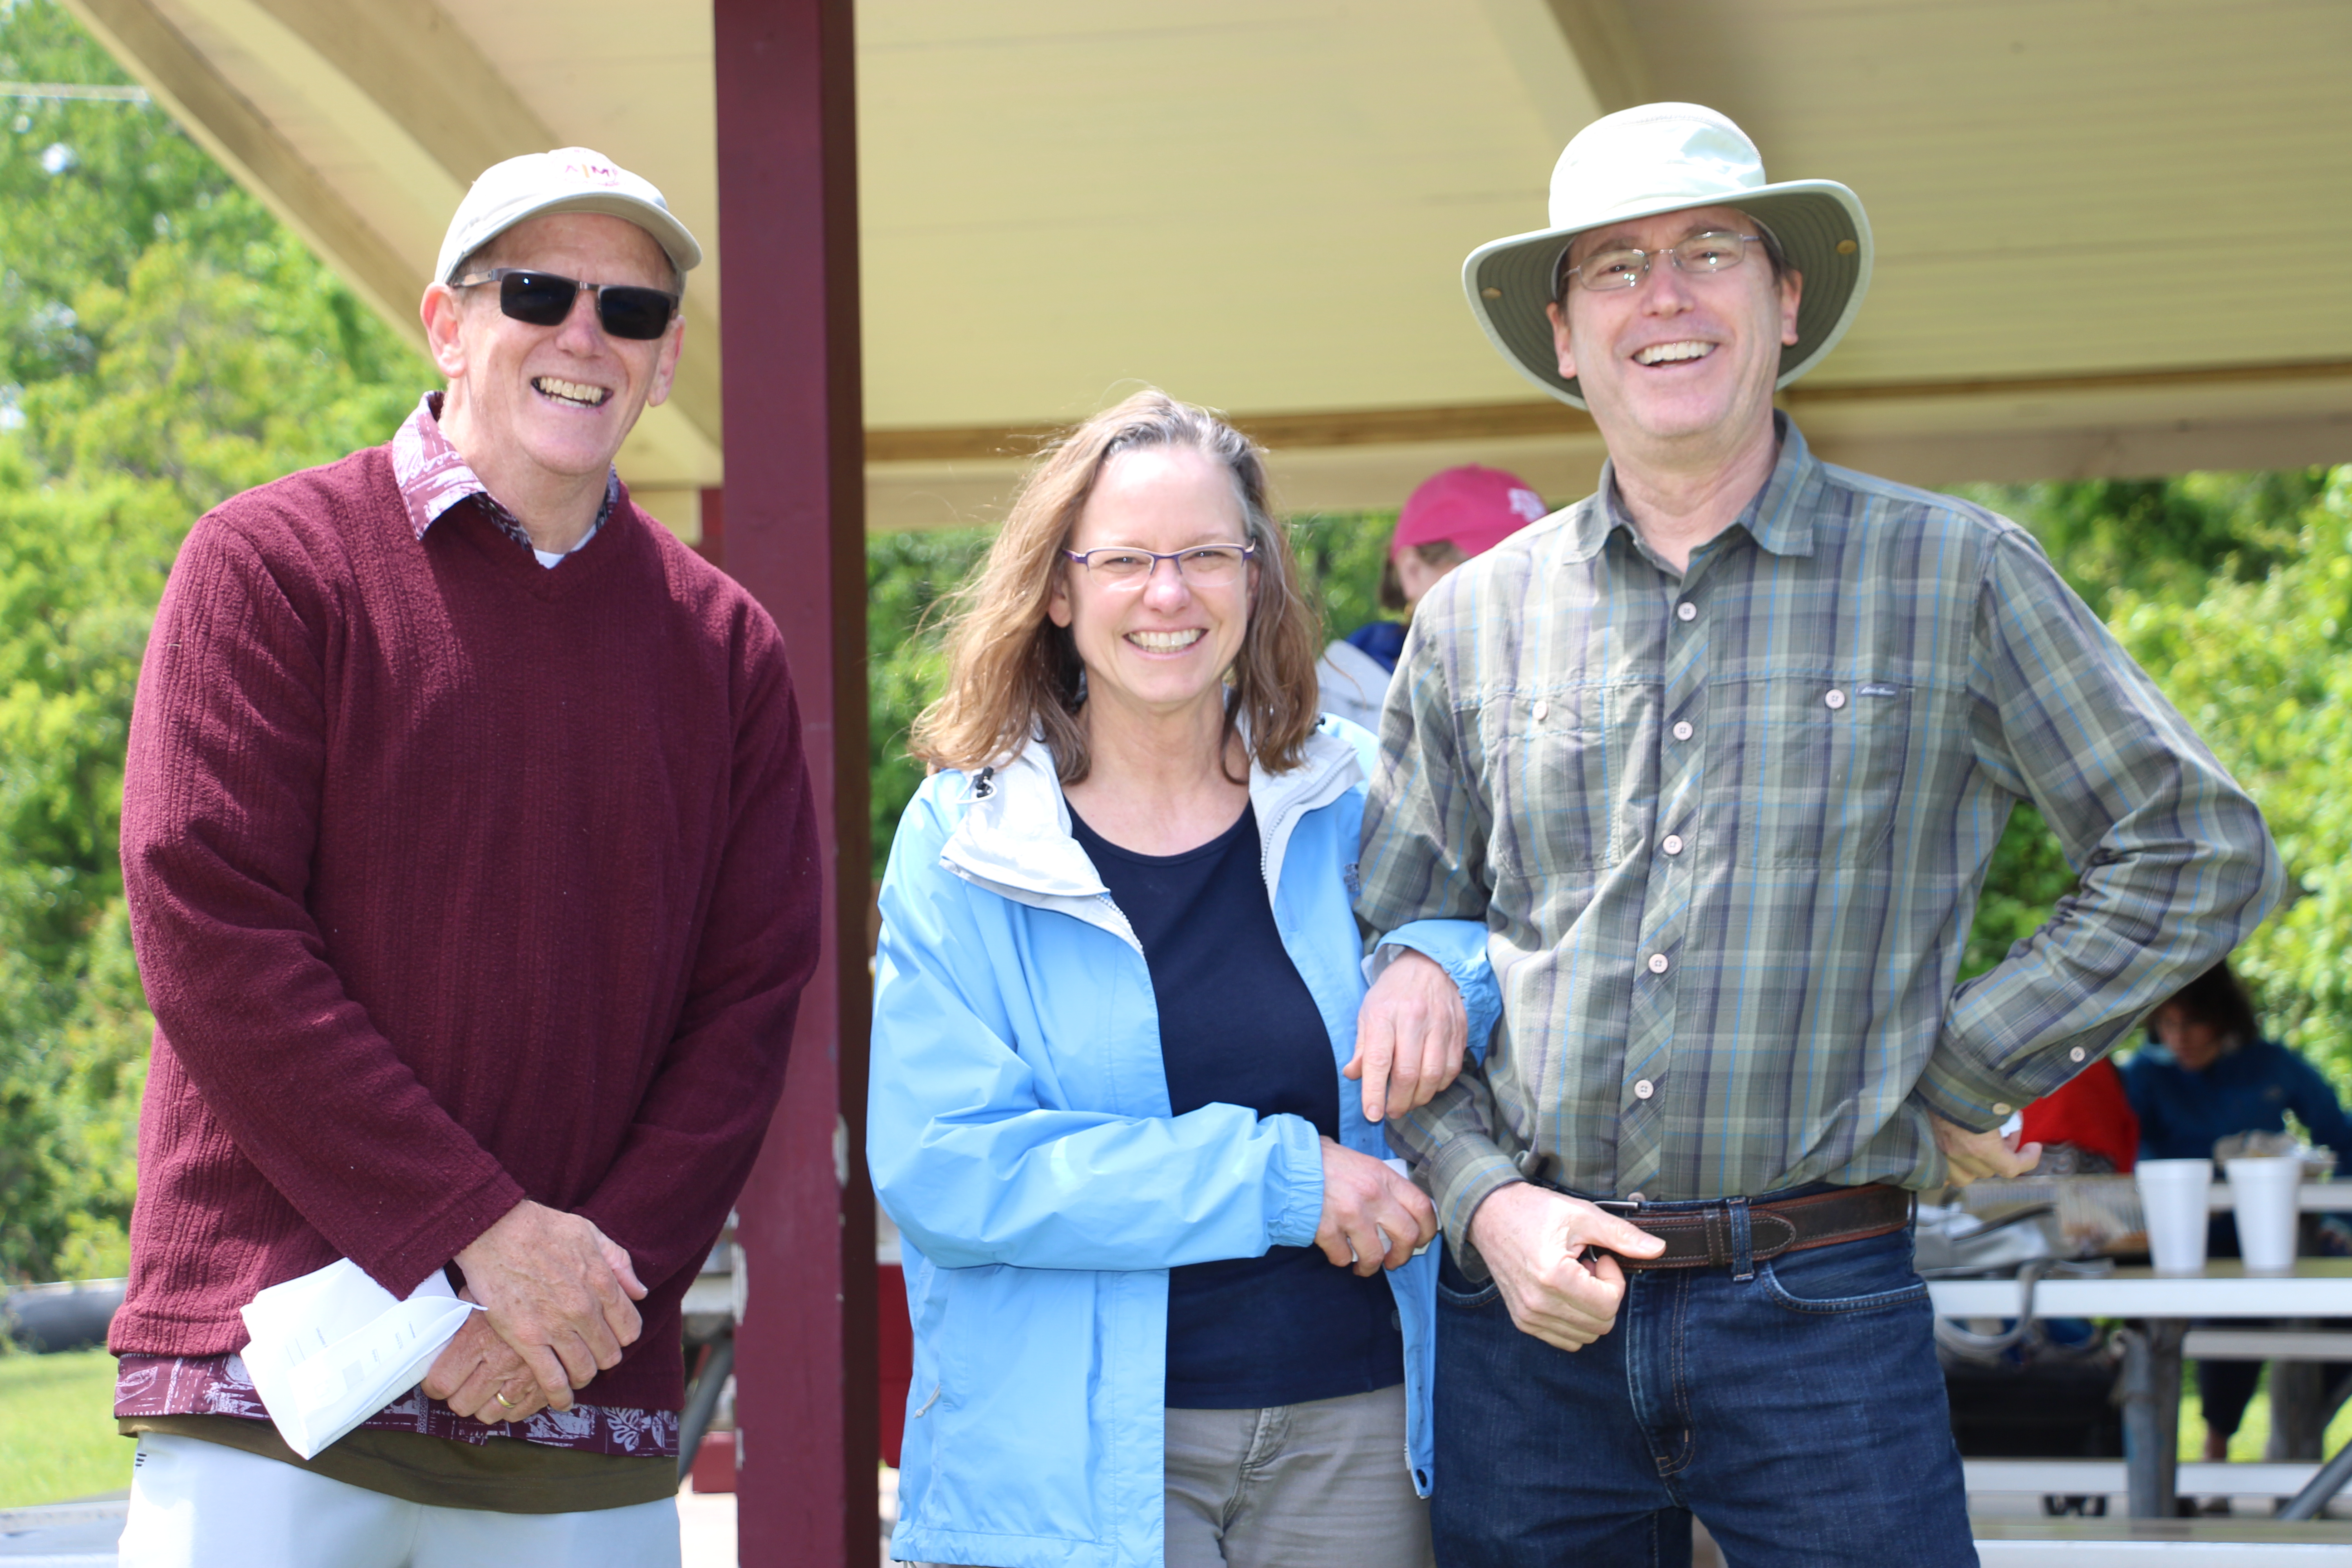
(1472, 508)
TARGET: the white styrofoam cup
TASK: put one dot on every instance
(2172, 1196)
(2262, 1192)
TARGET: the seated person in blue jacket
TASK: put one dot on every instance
(2206, 1074)
(1165, 1295)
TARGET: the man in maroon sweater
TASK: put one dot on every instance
(471, 863)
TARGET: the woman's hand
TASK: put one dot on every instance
(1410, 1034)
(1372, 1217)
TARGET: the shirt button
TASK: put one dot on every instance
(1635, 1198)
(1672, 844)
(1834, 698)
(1540, 709)
(1643, 1090)
(2076, 1055)
(1682, 730)
(1657, 963)
(1685, 611)
(2001, 1107)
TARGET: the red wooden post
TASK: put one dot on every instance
(795, 534)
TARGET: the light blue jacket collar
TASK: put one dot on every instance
(1015, 838)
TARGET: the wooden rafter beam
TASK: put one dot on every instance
(223, 122)
(1608, 55)
(1490, 421)
(421, 71)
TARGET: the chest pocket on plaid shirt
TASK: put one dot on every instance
(1806, 771)
(1559, 778)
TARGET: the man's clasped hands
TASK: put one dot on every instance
(559, 1298)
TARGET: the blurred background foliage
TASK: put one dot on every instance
(165, 343)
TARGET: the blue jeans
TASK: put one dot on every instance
(1800, 1413)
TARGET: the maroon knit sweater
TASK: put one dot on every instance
(455, 880)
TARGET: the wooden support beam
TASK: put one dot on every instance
(1608, 55)
(226, 123)
(793, 533)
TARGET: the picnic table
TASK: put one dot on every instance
(2158, 1309)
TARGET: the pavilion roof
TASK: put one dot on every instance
(2112, 238)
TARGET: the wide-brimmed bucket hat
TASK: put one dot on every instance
(1660, 158)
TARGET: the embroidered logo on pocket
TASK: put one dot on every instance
(1878, 688)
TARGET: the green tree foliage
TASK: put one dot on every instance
(2159, 538)
(906, 575)
(2134, 548)
(164, 343)
(2264, 669)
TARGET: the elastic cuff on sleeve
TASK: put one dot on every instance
(1298, 1170)
(1459, 948)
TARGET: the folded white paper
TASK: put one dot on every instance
(332, 1348)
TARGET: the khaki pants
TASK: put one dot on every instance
(1322, 1485)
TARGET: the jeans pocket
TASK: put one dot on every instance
(1458, 1290)
(1867, 1276)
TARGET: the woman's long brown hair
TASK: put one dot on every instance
(1012, 674)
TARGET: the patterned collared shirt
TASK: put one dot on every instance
(219, 1386)
(433, 477)
(1726, 828)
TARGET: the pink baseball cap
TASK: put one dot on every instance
(1473, 509)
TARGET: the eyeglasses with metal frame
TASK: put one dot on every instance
(544, 299)
(1624, 266)
(1130, 565)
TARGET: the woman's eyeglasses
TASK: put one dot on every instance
(544, 299)
(1126, 566)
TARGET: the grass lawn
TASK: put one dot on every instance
(2253, 1431)
(57, 1428)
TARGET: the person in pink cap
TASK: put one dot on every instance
(1449, 517)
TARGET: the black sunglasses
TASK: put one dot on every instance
(544, 299)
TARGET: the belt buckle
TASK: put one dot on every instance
(1626, 1206)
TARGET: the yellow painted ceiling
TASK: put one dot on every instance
(2103, 225)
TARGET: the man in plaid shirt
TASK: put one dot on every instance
(1720, 755)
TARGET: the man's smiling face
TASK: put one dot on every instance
(1682, 356)
(559, 399)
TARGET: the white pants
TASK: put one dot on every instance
(196, 1504)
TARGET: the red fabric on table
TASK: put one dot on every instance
(2088, 1111)
(455, 880)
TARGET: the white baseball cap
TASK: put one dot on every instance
(568, 179)
(1662, 158)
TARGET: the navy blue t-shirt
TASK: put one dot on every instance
(1238, 1026)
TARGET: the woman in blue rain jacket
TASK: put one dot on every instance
(1023, 1130)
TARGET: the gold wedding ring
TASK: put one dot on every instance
(501, 1395)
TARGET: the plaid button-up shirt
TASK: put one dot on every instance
(1726, 829)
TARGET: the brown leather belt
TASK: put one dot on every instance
(1706, 1237)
